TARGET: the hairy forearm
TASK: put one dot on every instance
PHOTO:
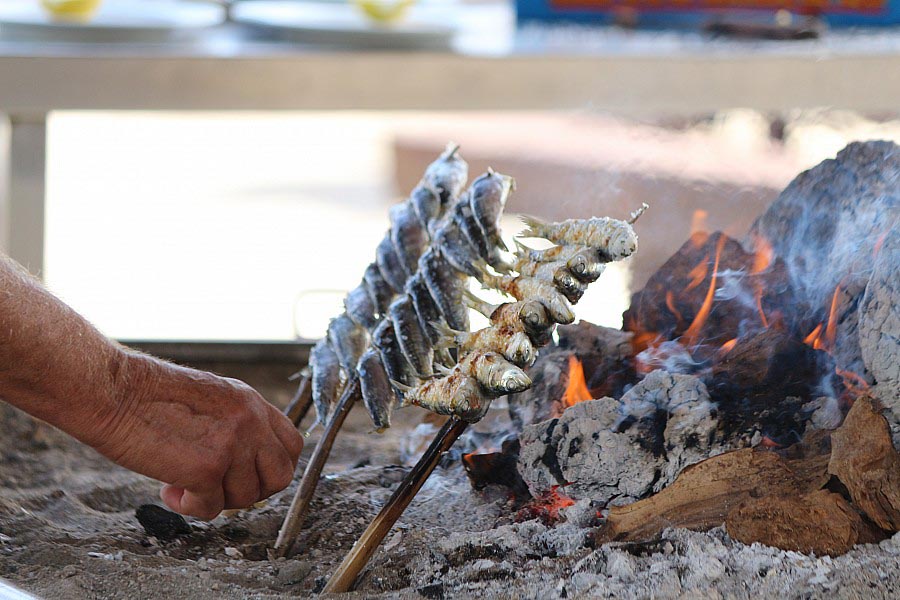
(53, 363)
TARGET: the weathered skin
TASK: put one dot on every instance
(348, 339)
(389, 264)
(448, 174)
(384, 339)
(528, 287)
(326, 378)
(360, 307)
(613, 239)
(408, 236)
(379, 290)
(446, 287)
(427, 203)
(487, 197)
(377, 393)
(413, 340)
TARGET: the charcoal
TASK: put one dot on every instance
(879, 324)
(161, 523)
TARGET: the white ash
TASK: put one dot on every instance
(619, 451)
(825, 413)
(879, 323)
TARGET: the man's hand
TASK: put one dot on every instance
(215, 442)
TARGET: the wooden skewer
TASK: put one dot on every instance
(342, 579)
(300, 504)
(301, 402)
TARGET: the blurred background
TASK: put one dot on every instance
(183, 170)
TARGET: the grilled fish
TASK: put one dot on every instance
(326, 378)
(377, 393)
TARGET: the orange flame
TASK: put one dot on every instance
(576, 389)
(690, 337)
(762, 258)
(856, 385)
(698, 226)
(670, 304)
(759, 308)
(831, 328)
(814, 338)
(727, 346)
(698, 274)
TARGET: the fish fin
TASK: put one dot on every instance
(450, 150)
(401, 386)
(441, 371)
(533, 226)
(447, 332)
(475, 303)
(635, 215)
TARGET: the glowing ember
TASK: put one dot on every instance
(545, 507)
(576, 389)
(692, 335)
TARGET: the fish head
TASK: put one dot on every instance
(520, 350)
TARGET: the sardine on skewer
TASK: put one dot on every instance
(531, 313)
(413, 340)
(389, 264)
(326, 378)
(546, 293)
(446, 287)
(448, 174)
(426, 202)
(384, 339)
(613, 239)
(359, 306)
(348, 339)
(583, 262)
(408, 236)
(377, 393)
(379, 290)
(510, 340)
(487, 198)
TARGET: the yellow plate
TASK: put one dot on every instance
(81, 10)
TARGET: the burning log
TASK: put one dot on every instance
(865, 461)
(784, 498)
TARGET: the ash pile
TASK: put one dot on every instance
(754, 386)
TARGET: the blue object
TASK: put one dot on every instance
(695, 13)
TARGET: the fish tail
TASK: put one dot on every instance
(534, 226)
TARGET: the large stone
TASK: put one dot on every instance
(879, 323)
(825, 226)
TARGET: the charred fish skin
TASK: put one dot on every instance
(457, 250)
(611, 238)
(487, 198)
(510, 340)
(454, 395)
(360, 307)
(446, 287)
(528, 287)
(384, 339)
(408, 236)
(448, 174)
(326, 378)
(427, 203)
(379, 289)
(389, 264)
(427, 312)
(496, 375)
(377, 392)
(583, 262)
(413, 340)
(348, 339)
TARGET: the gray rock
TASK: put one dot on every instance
(825, 225)
(879, 323)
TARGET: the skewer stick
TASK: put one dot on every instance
(342, 579)
(301, 402)
(300, 504)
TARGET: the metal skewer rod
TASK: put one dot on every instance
(301, 402)
(345, 576)
(300, 504)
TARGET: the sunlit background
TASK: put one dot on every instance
(253, 226)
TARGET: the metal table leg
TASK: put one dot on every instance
(23, 165)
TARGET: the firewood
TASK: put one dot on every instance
(706, 492)
(818, 522)
(301, 402)
(866, 462)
